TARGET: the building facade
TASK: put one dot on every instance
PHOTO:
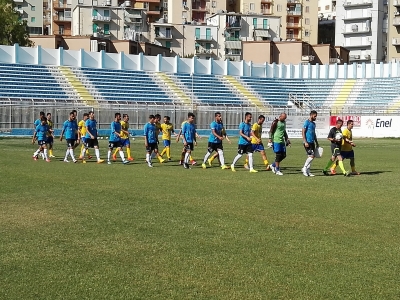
(32, 12)
(361, 29)
(393, 25)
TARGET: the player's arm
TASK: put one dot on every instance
(145, 136)
(272, 130)
(62, 133)
(241, 133)
(216, 134)
(346, 138)
(331, 136)
(34, 136)
(303, 135)
(195, 137)
(88, 131)
(288, 143)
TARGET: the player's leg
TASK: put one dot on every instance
(114, 156)
(182, 156)
(353, 166)
(211, 159)
(95, 144)
(44, 147)
(220, 151)
(128, 149)
(149, 150)
(157, 154)
(237, 157)
(189, 149)
(341, 166)
(121, 154)
(110, 149)
(72, 146)
(331, 160)
(250, 152)
(333, 167)
(310, 157)
(210, 150)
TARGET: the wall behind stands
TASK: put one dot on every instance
(59, 57)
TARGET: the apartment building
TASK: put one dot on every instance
(393, 24)
(32, 12)
(327, 9)
(299, 17)
(360, 28)
(188, 11)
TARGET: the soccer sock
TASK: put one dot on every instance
(250, 156)
(274, 165)
(115, 152)
(334, 165)
(277, 166)
(237, 157)
(45, 153)
(51, 152)
(148, 158)
(121, 153)
(266, 162)
(159, 157)
(190, 157)
(97, 151)
(183, 156)
(307, 164)
(206, 157)
(82, 148)
(153, 155)
(87, 152)
(163, 152)
(109, 155)
(213, 157)
(168, 150)
(66, 154)
(341, 166)
(71, 152)
(187, 157)
(128, 151)
(328, 165)
(247, 160)
(83, 152)
(36, 153)
(221, 157)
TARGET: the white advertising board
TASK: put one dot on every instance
(378, 127)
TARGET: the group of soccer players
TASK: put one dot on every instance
(85, 132)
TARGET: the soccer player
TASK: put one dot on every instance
(50, 137)
(216, 155)
(244, 145)
(192, 161)
(215, 141)
(77, 141)
(279, 139)
(310, 142)
(150, 139)
(36, 124)
(189, 138)
(167, 129)
(41, 134)
(336, 137)
(115, 139)
(70, 129)
(91, 137)
(157, 124)
(82, 131)
(125, 141)
(347, 148)
(256, 142)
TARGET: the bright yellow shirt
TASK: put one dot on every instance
(167, 129)
(349, 135)
(124, 126)
(158, 128)
(82, 126)
(257, 129)
(50, 124)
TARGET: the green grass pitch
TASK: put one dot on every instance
(89, 231)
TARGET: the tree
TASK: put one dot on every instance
(12, 29)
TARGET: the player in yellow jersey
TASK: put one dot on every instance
(192, 161)
(167, 129)
(347, 151)
(124, 135)
(50, 136)
(82, 130)
(256, 142)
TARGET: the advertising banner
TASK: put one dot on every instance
(378, 127)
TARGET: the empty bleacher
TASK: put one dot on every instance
(32, 82)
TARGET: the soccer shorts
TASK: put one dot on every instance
(189, 146)
(70, 142)
(42, 142)
(167, 143)
(50, 140)
(243, 149)
(214, 147)
(91, 143)
(347, 154)
(279, 147)
(83, 140)
(310, 149)
(258, 147)
(336, 150)
(151, 147)
(125, 142)
(114, 144)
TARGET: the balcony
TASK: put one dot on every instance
(356, 30)
(266, 11)
(291, 36)
(204, 52)
(204, 38)
(46, 8)
(396, 3)
(164, 36)
(153, 12)
(60, 19)
(261, 27)
(199, 8)
(396, 21)
(356, 3)
(334, 60)
(366, 44)
(99, 18)
(396, 41)
(57, 5)
(46, 20)
(353, 18)
(358, 57)
(62, 32)
(234, 39)
(293, 25)
(293, 2)
(20, 10)
(266, 1)
(294, 13)
(19, 1)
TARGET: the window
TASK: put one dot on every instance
(307, 21)
(33, 19)
(326, 7)
(319, 8)
(252, 6)
(19, 6)
(307, 9)
(208, 33)
(33, 8)
(80, 1)
(214, 4)
(306, 33)
(255, 22)
(94, 28)
(106, 28)
(197, 33)
(265, 24)
(168, 44)
(279, 7)
(208, 46)
(94, 13)
(35, 30)
(184, 15)
(106, 13)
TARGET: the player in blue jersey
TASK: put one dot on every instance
(70, 129)
(150, 139)
(215, 141)
(188, 138)
(244, 144)
(310, 142)
(91, 138)
(115, 139)
(41, 135)
(36, 123)
(77, 141)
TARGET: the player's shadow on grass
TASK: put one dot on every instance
(374, 172)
